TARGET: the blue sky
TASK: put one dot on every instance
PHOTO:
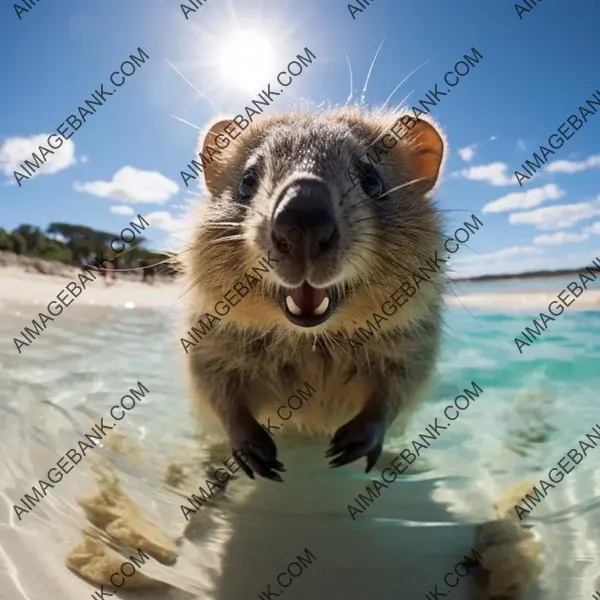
(535, 72)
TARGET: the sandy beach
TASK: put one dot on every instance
(20, 285)
(535, 301)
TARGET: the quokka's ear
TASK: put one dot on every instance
(426, 147)
(212, 149)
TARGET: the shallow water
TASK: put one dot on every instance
(534, 408)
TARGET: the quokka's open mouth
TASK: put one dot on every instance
(307, 306)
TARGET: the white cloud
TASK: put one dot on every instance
(493, 173)
(121, 209)
(569, 166)
(14, 151)
(559, 238)
(514, 251)
(558, 217)
(528, 199)
(469, 264)
(84, 159)
(467, 153)
(177, 227)
(566, 237)
(493, 138)
(165, 220)
(593, 229)
(132, 185)
(521, 145)
(498, 254)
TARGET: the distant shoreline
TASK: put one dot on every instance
(518, 276)
(55, 267)
(34, 281)
(33, 264)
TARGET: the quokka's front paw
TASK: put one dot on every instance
(253, 449)
(362, 436)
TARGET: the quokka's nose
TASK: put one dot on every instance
(307, 206)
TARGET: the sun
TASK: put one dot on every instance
(245, 60)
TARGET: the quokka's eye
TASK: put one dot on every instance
(372, 185)
(248, 185)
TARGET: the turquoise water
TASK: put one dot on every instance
(534, 407)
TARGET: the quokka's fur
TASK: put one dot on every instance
(254, 357)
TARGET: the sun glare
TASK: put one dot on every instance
(245, 60)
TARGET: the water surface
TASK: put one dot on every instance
(534, 408)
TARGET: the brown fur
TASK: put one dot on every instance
(255, 357)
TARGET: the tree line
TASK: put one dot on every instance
(72, 244)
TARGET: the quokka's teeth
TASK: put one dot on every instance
(293, 307)
(322, 307)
